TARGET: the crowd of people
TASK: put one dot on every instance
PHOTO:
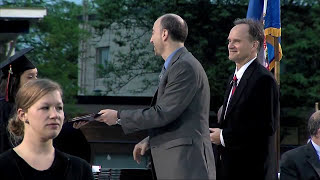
(179, 136)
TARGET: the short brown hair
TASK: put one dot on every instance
(314, 123)
(255, 30)
(178, 30)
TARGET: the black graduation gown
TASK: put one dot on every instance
(5, 112)
(64, 167)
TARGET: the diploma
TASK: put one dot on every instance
(88, 117)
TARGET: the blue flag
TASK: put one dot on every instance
(272, 24)
(255, 9)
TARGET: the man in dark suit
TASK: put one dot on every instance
(178, 119)
(303, 163)
(249, 118)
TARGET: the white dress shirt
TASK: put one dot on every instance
(239, 73)
(316, 147)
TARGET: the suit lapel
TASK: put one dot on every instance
(312, 158)
(174, 59)
(241, 86)
(181, 51)
(226, 96)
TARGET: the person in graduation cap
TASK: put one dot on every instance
(16, 71)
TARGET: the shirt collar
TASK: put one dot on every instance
(317, 148)
(239, 73)
(168, 60)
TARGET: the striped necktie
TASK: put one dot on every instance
(162, 73)
(234, 84)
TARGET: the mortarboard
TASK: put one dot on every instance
(15, 66)
(18, 62)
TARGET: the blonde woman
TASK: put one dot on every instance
(38, 120)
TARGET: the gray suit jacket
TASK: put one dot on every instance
(178, 121)
(301, 163)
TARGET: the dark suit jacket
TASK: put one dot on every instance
(178, 121)
(301, 163)
(249, 126)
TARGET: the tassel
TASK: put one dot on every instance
(7, 88)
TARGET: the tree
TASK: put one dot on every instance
(300, 67)
(127, 19)
(55, 40)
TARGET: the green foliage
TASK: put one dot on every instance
(55, 40)
(129, 21)
(301, 49)
(300, 65)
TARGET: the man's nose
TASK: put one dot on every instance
(230, 45)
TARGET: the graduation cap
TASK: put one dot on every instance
(15, 66)
(18, 63)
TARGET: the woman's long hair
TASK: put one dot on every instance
(27, 95)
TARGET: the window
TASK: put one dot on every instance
(102, 60)
(102, 56)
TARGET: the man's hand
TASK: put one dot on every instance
(215, 135)
(108, 116)
(140, 149)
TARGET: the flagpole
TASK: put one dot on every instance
(277, 77)
(276, 60)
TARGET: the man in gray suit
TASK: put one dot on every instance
(178, 119)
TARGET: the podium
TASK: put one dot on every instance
(112, 150)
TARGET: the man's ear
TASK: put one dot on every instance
(255, 44)
(22, 115)
(165, 34)
(318, 133)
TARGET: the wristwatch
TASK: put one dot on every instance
(118, 120)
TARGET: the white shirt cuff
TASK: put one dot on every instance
(221, 139)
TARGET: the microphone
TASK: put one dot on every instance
(232, 82)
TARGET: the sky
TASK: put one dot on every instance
(76, 1)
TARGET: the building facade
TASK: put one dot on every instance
(114, 63)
